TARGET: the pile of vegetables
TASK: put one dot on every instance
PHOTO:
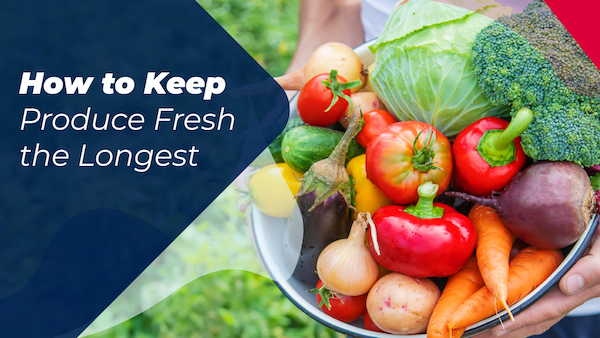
(373, 156)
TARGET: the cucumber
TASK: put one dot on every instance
(273, 152)
(275, 146)
(305, 145)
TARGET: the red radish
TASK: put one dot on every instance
(548, 205)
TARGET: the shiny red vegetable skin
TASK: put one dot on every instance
(376, 121)
(472, 173)
(315, 98)
(405, 155)
(369, 325)
(345, 308)
(420, 247)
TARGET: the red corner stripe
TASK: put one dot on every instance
(581, 19)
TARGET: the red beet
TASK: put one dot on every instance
(549, 204)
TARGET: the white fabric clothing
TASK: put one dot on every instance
(374, 13)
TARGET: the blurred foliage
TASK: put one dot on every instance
(223, 304)
(266, 29)
(230, 303)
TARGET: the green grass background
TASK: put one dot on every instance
(230, 303)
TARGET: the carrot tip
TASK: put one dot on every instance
(507, 308)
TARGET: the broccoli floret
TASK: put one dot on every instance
(513, 71)
(542, 29)
(560, 133)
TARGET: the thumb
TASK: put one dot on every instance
(585, 273)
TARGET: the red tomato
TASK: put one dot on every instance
(422, 247)
(347, 308)
(315, 98)
(369, 325)
(376, 121)
(472, 173)
(398, 161)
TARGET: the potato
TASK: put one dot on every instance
(401, 304)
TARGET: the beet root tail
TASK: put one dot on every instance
(487, 201)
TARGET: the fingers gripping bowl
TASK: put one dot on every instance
(278, 243)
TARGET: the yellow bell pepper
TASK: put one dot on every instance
(367, 196)
(273, 188)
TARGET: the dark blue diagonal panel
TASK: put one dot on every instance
(73, 236)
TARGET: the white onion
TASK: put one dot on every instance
(346, 265)
(332, 55)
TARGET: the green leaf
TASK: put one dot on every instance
(415, 15)
(595, 182)
(423, 66)
(226, 316)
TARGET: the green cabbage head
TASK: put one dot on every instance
(423, 68)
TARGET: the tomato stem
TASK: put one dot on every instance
(424, 208)
(337, 89)
(496, 146)
(422, 159)
(326, 295)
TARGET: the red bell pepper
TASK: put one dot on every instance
(376, 121)
(423, 240)
(488, 154)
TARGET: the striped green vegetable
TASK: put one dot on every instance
(304, 145)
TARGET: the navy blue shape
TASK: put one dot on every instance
(113, 254)
(51, 217)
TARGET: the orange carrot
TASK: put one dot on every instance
(494, 242)
(458, 288)
(527, 271)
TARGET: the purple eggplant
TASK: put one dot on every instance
(326, 223)
(324, 201)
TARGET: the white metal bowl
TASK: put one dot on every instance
(278, 243)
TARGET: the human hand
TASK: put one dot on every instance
(579, 284)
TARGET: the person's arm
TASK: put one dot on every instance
(579, 284)
(326, 21)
